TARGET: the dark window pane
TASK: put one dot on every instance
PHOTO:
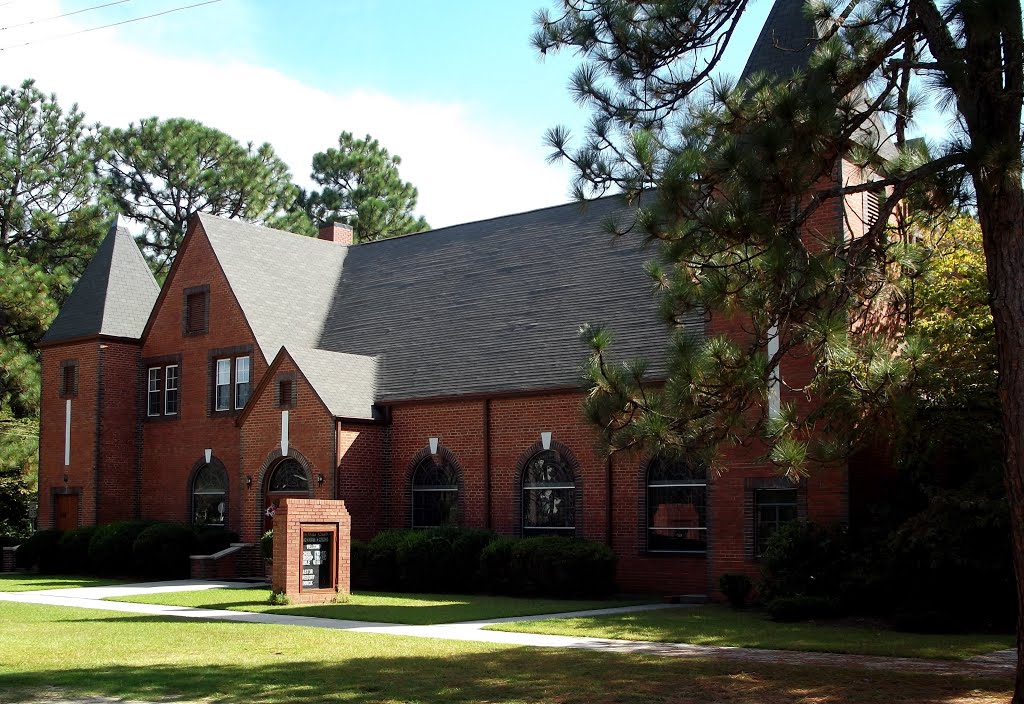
(209, 496)
(209, 509)
(549, 510)
(773, 508)
(547, 467)
(549, 495)
(675, 470)
(435, 494)
(289, 476)
(434, 508)
(431, 475)
(676, 505)
(171, 390)
(677, 518)
(210, 479)
(153, 392)
(284, 393)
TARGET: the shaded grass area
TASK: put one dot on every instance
(381, 607)
(84, 652)
(20, 582)
(720, 625)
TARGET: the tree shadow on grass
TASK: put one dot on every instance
(276, 673)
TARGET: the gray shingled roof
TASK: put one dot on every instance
(115, 295)
(496, 305)
(489, 306)
(283, 282)
(785, 45)
(346, 383)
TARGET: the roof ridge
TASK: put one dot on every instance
(581, 203)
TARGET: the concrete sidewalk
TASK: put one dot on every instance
(1000, 664)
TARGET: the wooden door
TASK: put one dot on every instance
(66, 511)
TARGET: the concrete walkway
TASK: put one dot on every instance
(999, 664)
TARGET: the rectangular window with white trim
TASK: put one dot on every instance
(171, 390)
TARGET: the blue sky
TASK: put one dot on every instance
(453, 86)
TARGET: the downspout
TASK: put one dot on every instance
(337, 459)
(487, 463)
(609, 524)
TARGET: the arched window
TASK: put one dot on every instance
(288, 476)
(435, 493)
(210, 496)
(677, 500)
(549, 495)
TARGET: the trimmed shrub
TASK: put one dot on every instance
(10, 541)
(383, 559)
(467, 546)
(496, 565)
(360, 561)
(213, 540)
(73, 550)
(737, 588)
(805, 559)
(267, 546)
(802, 608)
(41, 549)
(563, 567)
(110, 549)
(162, 550)
(441, 559)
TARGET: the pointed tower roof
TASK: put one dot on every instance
(113, 298)
(785, 43)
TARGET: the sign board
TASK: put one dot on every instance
(317, 556)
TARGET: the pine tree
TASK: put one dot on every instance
(49, 227)
(162, 172)
(362, 188)
(742, 168)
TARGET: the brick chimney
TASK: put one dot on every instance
(337, 233)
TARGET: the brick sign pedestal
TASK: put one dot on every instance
(312, 538)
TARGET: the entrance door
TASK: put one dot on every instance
(66, 511)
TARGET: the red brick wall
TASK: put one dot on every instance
(361, 463)
(118, 440)
(172, 448)
(310, 438)
(459, 425)
(81, 471)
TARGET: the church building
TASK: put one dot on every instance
(425, 380)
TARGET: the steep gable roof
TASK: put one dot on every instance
(346, 383)
(496, 305)
(114, 296)
(283, 282)
(785, 44)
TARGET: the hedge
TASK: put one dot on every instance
(110, 549)
(162, 550)
(39, 550)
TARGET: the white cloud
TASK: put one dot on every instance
(466, 165)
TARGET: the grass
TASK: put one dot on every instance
(720, 625)
(52, 652)
(18, 582)
(412, 609)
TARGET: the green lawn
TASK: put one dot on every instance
(413, 609)
(720, 625)
(21, 582)
(52, 652)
